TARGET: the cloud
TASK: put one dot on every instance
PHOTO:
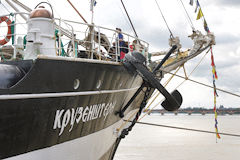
(156, 37)
(227, 38)
(229, 2)
(227, 71)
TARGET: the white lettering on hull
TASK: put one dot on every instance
(72, 116)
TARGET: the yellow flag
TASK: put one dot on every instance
(200, 14)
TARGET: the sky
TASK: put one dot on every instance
(223, 20)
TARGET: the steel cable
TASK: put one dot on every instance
(188, 129)
(203, 84)
(171, 35)
(191, 23)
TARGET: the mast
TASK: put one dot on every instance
(92, 4)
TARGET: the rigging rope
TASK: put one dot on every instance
(129, 19)
(188, 129)
(55, 10)
(165, 84)
(124, 16)
(15, 17)
(174, 74)
(5, 7)
(171, 35)
(203, 84)
(187, 77)
(187, 15)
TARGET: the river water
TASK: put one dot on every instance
(158, 143)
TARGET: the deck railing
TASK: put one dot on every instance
(73, 39)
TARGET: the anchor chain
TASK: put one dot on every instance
(143, 104)
(134, 121)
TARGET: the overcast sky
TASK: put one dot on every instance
(223, 20)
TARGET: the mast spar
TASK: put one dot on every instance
(77, 11)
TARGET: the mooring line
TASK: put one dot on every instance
(187, 129)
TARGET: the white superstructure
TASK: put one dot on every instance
(40, 38)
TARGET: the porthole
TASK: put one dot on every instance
(99, 83)
(76, 83)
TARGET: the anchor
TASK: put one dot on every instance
(134, 62)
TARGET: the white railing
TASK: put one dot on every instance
(76, 39)
(18, 31)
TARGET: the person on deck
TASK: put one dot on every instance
(121, 43)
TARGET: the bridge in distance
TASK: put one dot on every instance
(189, 111)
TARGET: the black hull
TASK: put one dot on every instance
(49, 111)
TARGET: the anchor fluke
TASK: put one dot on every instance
(173, 105)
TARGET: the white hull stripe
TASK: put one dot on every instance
(78, 60)
(62, 94)
(90, 147)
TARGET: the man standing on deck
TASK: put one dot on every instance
(121, 43)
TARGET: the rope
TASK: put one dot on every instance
(12, 31)
(188, 16)
(12, 15)
(129, 18)
(206, 85)
(189, 129)
(2, 56)
(55, 10)
(187, 77)
(128, 23)
(5, 8)
(154, 93)
(138, 112)
(182, 128)
(126, 121)
(171, 35)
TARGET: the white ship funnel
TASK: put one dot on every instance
(40, 34)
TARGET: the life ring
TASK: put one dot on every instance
(9, 33)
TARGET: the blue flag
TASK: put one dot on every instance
(197, 5)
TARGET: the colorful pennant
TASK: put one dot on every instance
(214, 72)
(200, 14)
(206, 26)
(213, 66)
(215, 93)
